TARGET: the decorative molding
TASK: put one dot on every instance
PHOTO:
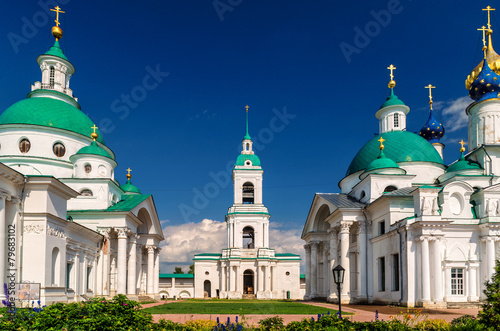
(344, 227)
(56, 232)
(33, 229)
(122, 233)
(151, 249)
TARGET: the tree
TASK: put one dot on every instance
(191, 269)
(178, 270)
(490, 315)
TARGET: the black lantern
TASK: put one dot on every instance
(338, 278)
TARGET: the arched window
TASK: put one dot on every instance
(248, 193)
(390, 188)
(88, 168)
(248, 237)
(86, 193)
(396, 120)
(56, 268)
(247, 146)
(52, 75)
(59, 149)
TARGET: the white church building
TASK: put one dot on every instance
(407, 228)
(248, 267)
(66, 223)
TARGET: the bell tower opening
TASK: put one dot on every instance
(248, 237)
(248, 193)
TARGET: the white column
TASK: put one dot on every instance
(333, 262)
(344, 259)
(230, 278)
(362, 262)
(239, 286)
(490, 256)
(122, 261)
(326, 272)
(132, 264)
(3, 243)
(99, 273)
(267, 283)
(77, 273)
(307, 248)
(106, 248)
(139, 270)
(437, 272)
(426, 289)
(157, 271)
(223, 280)
(266, 235)
(151, 264)
(472, 283)
(314, 269)
(260, 286)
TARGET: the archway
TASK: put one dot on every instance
(207, 287)
(248, 193)
(248, 237)
(248, 282)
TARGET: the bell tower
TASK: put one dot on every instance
(247, 219)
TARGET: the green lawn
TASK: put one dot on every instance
(238, 307)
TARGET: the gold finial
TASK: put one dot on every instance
(128, 173)
(392, 83)
(381, 147)
(462, 149)
(483, 28)
(489, 9)
(56, 30)
(94, 135)
(430, 87)
(246, 107)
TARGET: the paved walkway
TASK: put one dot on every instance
(362, 313)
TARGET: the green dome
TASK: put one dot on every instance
(50, 112)
(463, 164)
(129, 188)
(381, 162)
(392, 100)
(400, 146)
(94, 149)
(56, 51)
(240, 161)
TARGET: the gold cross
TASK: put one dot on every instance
(483, 28)
(462, 149)
(129, 170)
(246, 107)
(391, 68)
(94, 127)
(58, 10)
(489, 9)
(381, 143)
(430, 87)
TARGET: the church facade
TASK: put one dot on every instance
(66, 224)
(248, 267)
(407, 228)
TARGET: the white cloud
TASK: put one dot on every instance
(183, 241)
(454, 113)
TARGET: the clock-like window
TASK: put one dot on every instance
(87, 168)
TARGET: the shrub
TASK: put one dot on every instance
(433, 324)
(490, 315)
(272, 323)
(462, 319)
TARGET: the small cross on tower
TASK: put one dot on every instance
(58, 10)
(430, 87)
(128, 173)
(462, 149)
(489, 9)
(381, 143)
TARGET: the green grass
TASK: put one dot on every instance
(238, 307)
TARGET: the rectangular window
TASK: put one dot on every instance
(396, 120)
(381, 274)
(381, 228)
(457, 281)
(69, 266)
(395, 272)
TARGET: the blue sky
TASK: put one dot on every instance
(311, 106)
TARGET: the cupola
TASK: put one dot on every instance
(382, 164)
(128, 187)
(433, 130)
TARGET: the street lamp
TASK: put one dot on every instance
(338, 278)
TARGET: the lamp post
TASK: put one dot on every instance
(338, 278)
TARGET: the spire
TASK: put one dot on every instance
(129, 175)
(432, 131)
(392, 99)
(94, 135)
(462, 149)
(247, 136)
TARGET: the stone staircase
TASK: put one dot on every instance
(463, 305)
(248, 296)
(145, 298)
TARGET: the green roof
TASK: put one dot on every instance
(129, 188)
(176, 276)
(285, 254)
(127, 203)
(392, 100)
(49, 112)
(463, 164)
(381, 162)
(240, 161)
(56, 51)
(94, 149)
(208, 254)
(400, 146)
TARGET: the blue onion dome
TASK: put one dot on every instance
(433, 130)
(486, 85)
